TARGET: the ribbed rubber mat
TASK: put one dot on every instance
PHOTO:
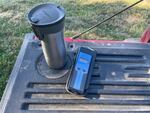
(120, 82)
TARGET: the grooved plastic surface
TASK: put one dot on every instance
(120, 81)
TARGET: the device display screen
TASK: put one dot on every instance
(84, 60)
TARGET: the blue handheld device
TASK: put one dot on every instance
(81, 72)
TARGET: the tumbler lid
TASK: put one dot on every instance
(46, 14)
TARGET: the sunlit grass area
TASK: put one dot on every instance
(145, 4)
(80, 14)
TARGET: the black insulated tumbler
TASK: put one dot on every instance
(47, 21)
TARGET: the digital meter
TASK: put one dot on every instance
(81, 72)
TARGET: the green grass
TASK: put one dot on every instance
(80, 14)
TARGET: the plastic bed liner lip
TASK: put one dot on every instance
(120, 81)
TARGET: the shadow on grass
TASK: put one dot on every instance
(79, 17)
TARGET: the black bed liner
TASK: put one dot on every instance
(120, 81)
